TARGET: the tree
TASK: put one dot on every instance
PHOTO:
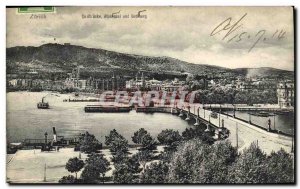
(119, 157)
(125, 169)
(189, 78)
(280, 167)
(197, 162)
(250, 167)
(116, 142)
(119, 144)
(133, 164)
(96, 165)
(138, 135)
(148, 142)
(216, 163)
(88, 143)
(155, 173)
(144, 156)
(123, 174)
(241, 97)
(186, 164)
(198, 132)
(170, 138)
(113, 134)
(166, 156)
(90, 174)
(74, 165)
(67, 180)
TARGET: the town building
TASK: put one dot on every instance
(285, 94)
(136, 84)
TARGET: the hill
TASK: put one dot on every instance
(53, 58)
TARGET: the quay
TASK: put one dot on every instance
(241, 107)
(82, 100)
(106, 108)
(41, 142)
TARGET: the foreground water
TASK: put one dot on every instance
(24, 120)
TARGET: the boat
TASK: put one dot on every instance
(261, 114)
(43, 105)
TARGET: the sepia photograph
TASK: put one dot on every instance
(150, 95)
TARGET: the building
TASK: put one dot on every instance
(154, 85)
(136, 84)
(285, 94)
(174, 85)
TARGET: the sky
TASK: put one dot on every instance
(232, 37)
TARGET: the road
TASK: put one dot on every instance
(247, 133)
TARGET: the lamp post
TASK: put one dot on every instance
(220, 117)
(204, 109)
(46, 134)
(249, 118)
(45, 178)
(234, 111)
(274, 121)
(292, 148)
(237, 136)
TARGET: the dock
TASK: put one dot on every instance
(41, 142)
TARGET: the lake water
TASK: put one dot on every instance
(24, 120)
(283, 123)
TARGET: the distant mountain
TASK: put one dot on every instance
(62, 58)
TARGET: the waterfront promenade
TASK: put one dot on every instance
(28, 166)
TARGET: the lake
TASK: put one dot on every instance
(283, 123)
(24, 120)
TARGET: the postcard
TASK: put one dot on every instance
(150, 95)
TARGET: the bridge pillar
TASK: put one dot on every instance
(181, 113)
(174, 111)
(187, 117)
(207, 128)
(197, 122)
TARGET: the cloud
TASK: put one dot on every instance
(71, 30)
(179, 32)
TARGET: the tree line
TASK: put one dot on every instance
(233, 96)
(190, 157)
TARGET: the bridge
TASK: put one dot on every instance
(242, 133)
(185, 112)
